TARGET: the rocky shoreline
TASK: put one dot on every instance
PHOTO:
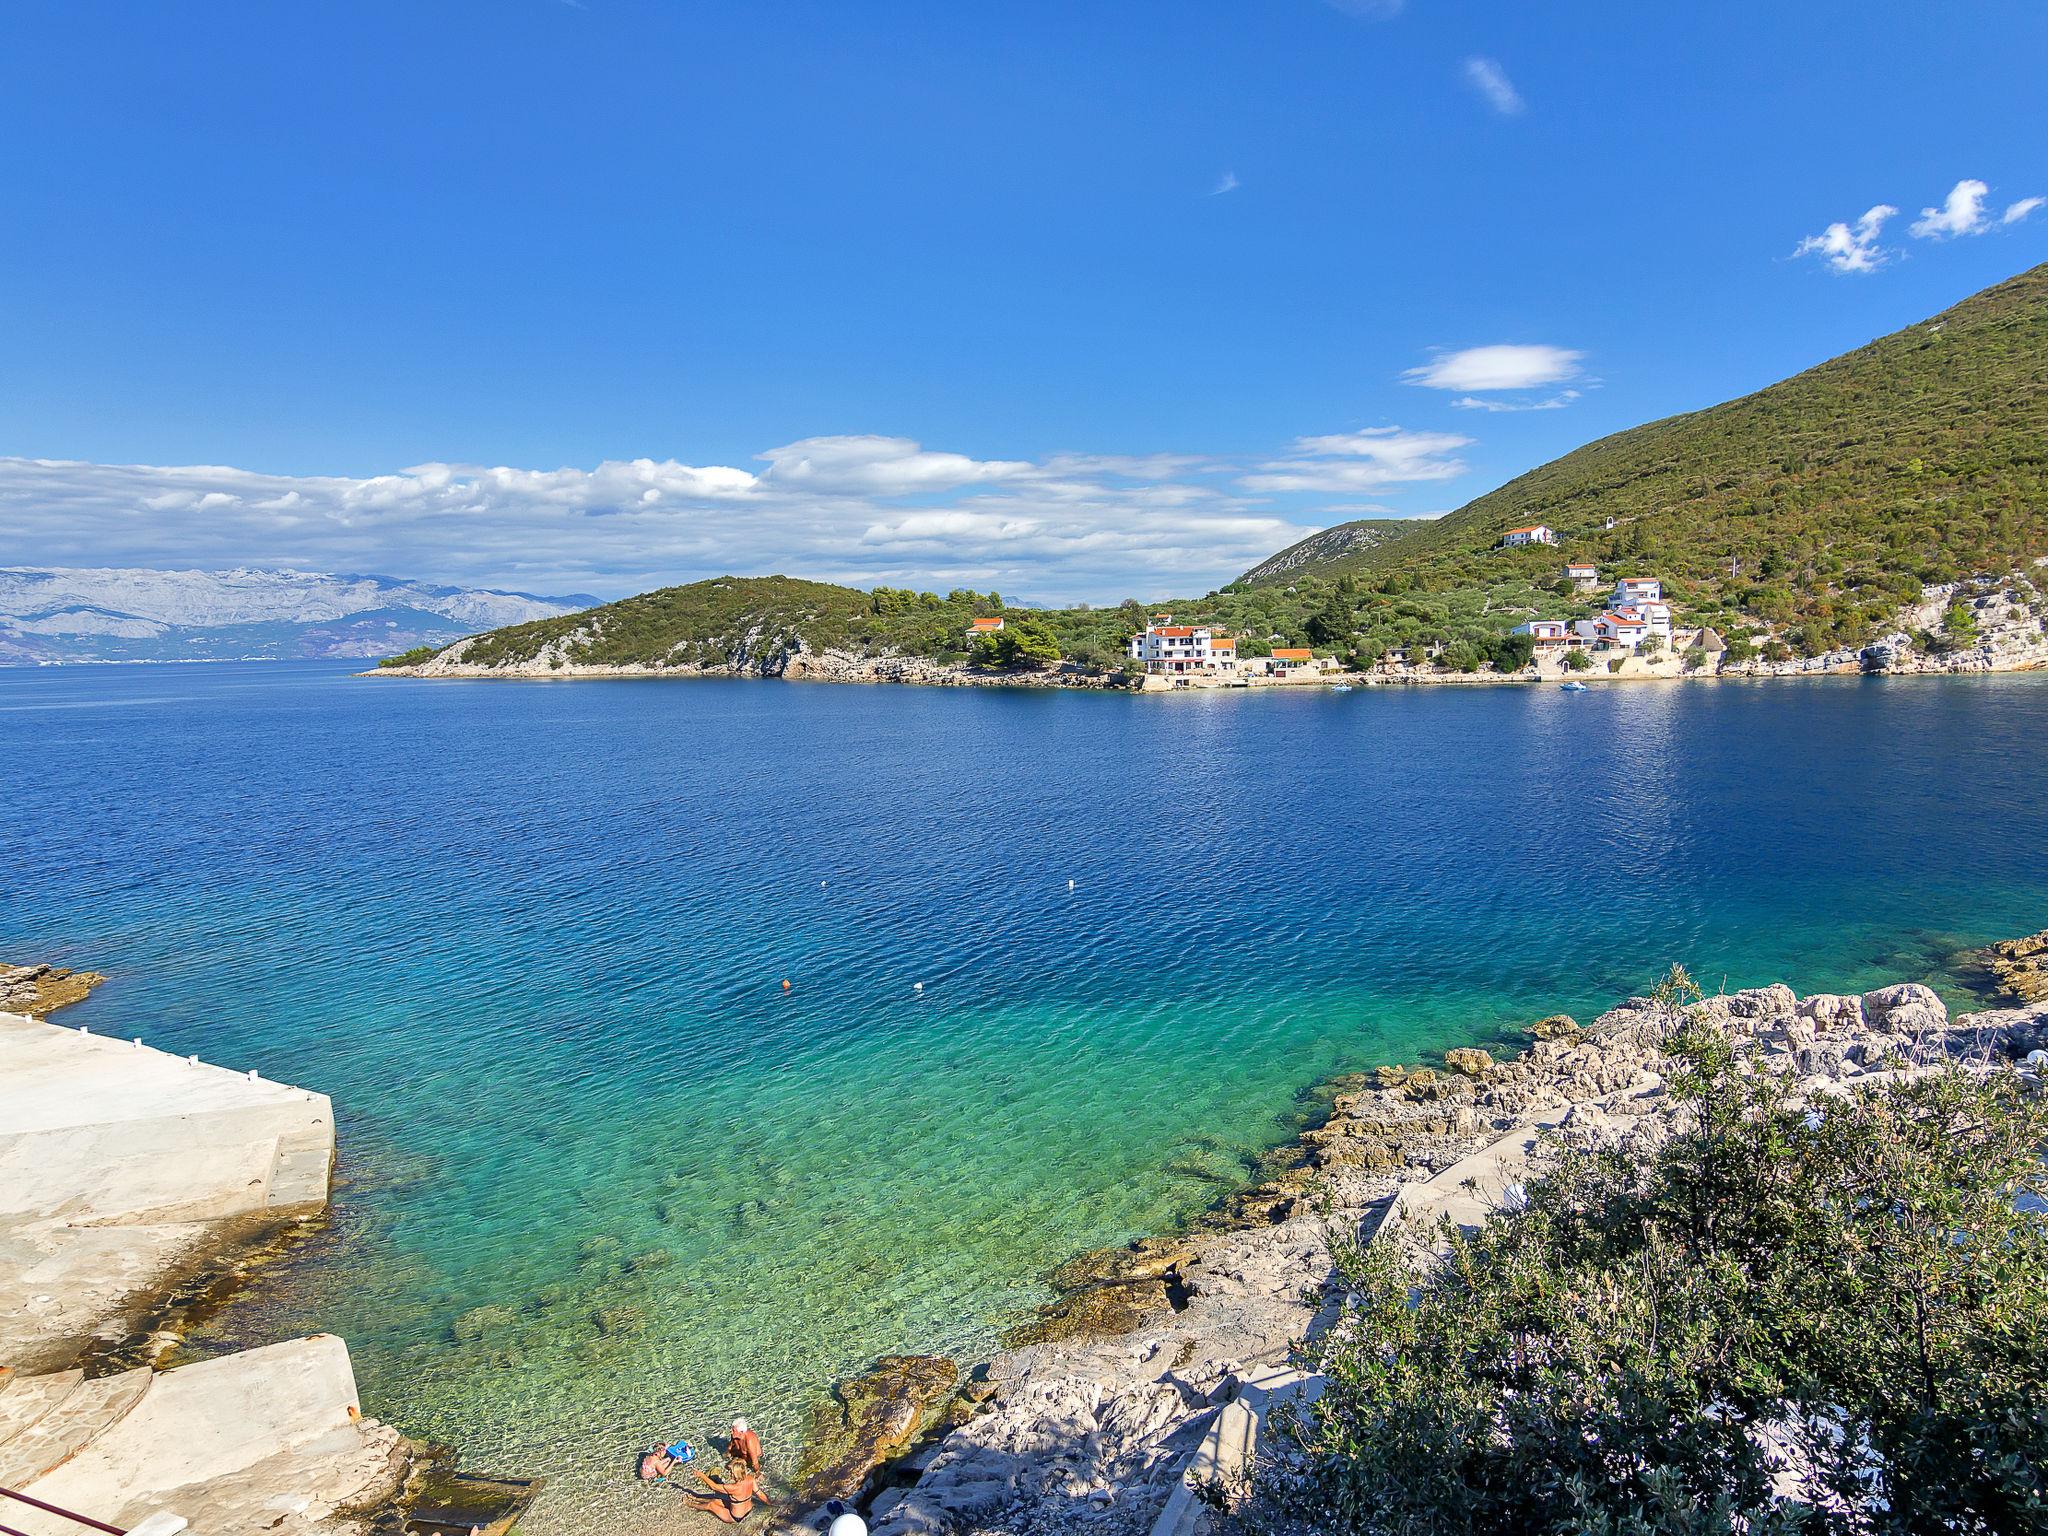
(39, 990)
(2008, 633)
(1087, 1422)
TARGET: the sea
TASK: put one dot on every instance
(695, 1043)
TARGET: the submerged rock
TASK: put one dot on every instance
(1110, 1291)
(870, 1419)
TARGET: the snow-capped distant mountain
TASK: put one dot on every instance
(73, 614)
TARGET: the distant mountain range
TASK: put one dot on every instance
(73, 615)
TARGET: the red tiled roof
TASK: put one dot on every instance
(1293, 655)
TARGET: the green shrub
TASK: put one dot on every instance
(1855, 1288)
(419, 655)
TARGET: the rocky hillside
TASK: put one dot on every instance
(1321, 551)
(1815, 508)
(68, 614)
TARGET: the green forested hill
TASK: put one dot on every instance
(1814, 507)
(1806, 514)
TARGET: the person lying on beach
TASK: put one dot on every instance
(743, 1449)
(731, 1500)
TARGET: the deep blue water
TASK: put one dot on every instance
(601, 1174)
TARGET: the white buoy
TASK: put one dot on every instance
(1070, 885)
(917, 986)
(2037, 1058)
(848, 1524)
(821, 885)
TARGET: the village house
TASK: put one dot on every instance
(1165, 647)
(1535, 534)
(1634, 591)
(1549, 634)
(1618, 630)
(978, 627)
(1584, 577)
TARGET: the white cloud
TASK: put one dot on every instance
(1497, 367)
(1371, 460)
(1851, 248)
(857, 509)
(1556, 402)
(877, 466)
(1227, 182)
(1961, 213)
(2014, 212)
(1491, 81)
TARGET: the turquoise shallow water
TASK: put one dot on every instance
(601, 1175)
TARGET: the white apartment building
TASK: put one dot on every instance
(1173, 649)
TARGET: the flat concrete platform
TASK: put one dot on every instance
(120, 1165)
(269, 1439)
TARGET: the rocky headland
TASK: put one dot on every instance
(1132, 1375)
(788, 658)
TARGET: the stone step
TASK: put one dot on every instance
(299, 1176)
(27, 1398)
(88, 1411)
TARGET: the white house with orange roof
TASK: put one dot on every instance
(979, 627)
(1535, 533)
(1168, 649)
(1549, 634)
(1634, 591)
(1625, 630)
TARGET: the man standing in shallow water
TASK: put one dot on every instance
(743, 1448)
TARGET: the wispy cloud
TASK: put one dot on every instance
(1556, 402)
(861, 509)
(1374, 459)
(1503, 366)
(1854, 247)
(1965, 211)
(1491, 81)
(1227, 182)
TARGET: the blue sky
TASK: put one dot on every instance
(1080, 300)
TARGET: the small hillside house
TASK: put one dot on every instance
(984, 627)
(1634, 591)
(1537, 533)
(1584, 577)
(1549, 634)
(1617, 630)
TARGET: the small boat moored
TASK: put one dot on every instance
(1572, 687)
